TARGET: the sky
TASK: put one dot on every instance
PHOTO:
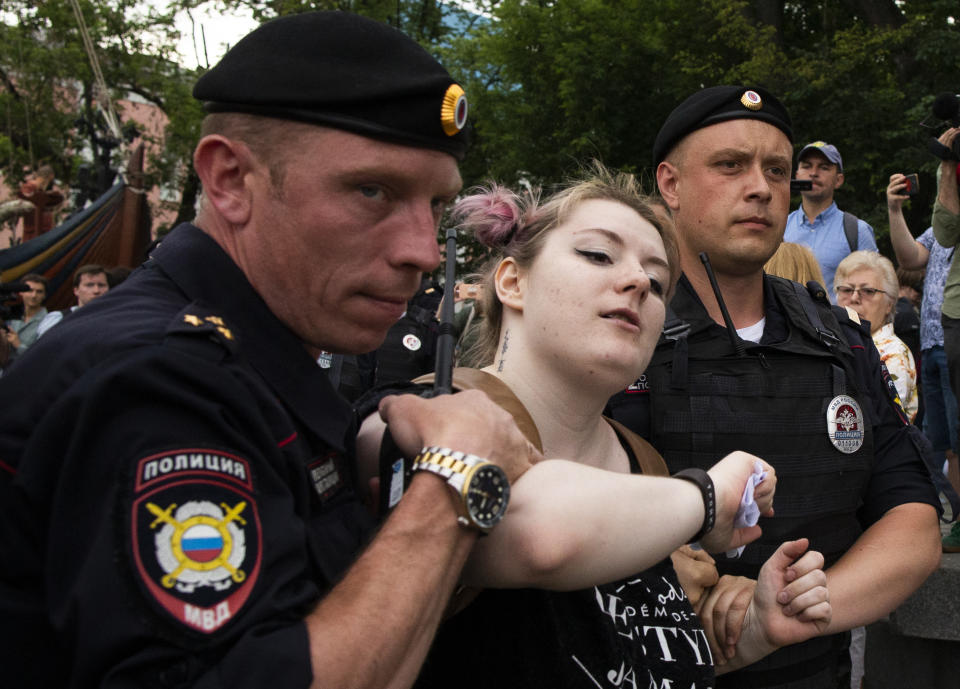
(220, 29)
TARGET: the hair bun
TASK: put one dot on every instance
(492, 213)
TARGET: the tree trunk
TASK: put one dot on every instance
(188, 199)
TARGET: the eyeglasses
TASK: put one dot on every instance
(865, 292)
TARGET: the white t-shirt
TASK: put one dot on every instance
(753, 333)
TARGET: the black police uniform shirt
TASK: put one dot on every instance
(638, 632)
(174, 495)
(733, 402)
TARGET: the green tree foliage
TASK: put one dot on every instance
(551, 83)
(868, 87)
(427, 21)
(48, 82)
(555, 83)
(36, 126)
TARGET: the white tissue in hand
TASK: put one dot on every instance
(748, 514)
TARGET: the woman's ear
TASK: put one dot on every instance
(222, 165)
(510, 284)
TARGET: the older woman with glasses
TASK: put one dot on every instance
(867, 282)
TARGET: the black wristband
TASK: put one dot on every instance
(703, 481)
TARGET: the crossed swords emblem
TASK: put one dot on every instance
(164, 516)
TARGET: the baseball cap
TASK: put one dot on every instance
(829, 151)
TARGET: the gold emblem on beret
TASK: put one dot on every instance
(751, 100)
(453, 112)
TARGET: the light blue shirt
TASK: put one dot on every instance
(27, 331)
(825, 237)
(938, 265)
(51, 319)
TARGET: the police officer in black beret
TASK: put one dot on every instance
(778, 372)
(177, 492)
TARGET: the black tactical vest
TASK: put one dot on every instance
(706, 400)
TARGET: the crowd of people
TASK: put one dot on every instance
(32, 319)
(903, 304)
(668, 466)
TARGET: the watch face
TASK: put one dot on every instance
(487, 495)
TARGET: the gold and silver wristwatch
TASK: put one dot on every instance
(483, 487)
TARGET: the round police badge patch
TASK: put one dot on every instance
(845, 424)
(411, 342)
(196, 535)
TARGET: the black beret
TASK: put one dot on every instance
(345, 71)
(719, 104)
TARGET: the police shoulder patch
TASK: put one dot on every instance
(196, 537)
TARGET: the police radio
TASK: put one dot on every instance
(735, 340)
(447, 339)
(395, 469)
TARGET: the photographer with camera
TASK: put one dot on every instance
(23, 332)
(940, 419)
(830, 233)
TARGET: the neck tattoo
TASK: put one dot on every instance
(503, 352)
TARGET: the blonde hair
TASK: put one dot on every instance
(517, 225)
(795, 262)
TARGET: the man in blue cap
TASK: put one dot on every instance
(830, 233)
(177, 488)
(761, 364)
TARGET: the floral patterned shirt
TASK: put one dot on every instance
(897, 358)
(931, 332)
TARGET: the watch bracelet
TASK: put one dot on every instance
(454, 466)
(449, 464)
(701, 479)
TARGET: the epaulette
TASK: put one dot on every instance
(847, 316)
(202, 331)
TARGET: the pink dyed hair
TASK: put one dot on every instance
(495, 214)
